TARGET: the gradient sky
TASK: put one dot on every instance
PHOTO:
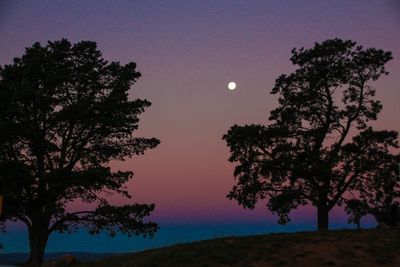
(187, 52)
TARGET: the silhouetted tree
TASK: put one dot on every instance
(64, 115)
(356, 209)
(305, 156)
(380, 191)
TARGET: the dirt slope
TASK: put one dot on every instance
(332, 248)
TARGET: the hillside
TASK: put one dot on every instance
(12, 258)
(376, 247)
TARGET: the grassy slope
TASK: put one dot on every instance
(331, 248)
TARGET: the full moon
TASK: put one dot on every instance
(231, 86)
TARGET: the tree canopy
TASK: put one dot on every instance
(380, 193)
(318, 146)
(65, 115)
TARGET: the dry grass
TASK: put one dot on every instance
(331, 248)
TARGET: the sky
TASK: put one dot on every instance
(187, 52)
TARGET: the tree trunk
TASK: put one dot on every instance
(38, 236)
(323, 217)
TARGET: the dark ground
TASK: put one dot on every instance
(376, 247)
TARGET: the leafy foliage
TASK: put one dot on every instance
(380, 192)
(64, 115)
(304, 156)
(356, 209)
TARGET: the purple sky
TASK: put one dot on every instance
(187, 52)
